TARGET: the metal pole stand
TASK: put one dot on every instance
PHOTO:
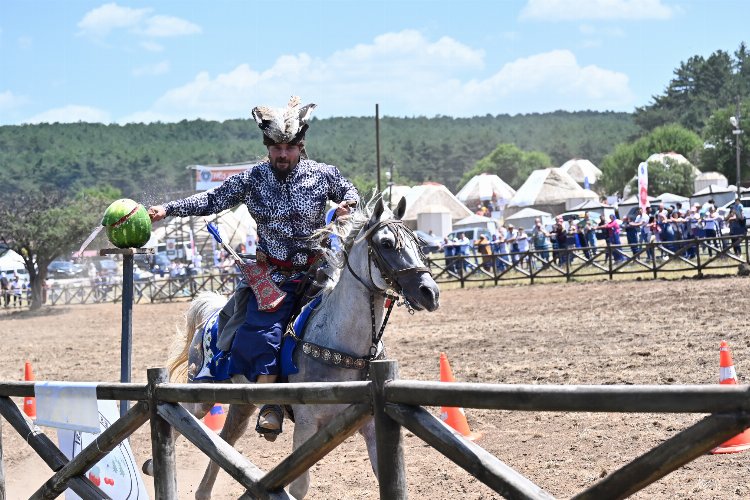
(126, 342)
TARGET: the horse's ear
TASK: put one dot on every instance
(400, 209)
(377, 212)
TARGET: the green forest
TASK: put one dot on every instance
(148, 161)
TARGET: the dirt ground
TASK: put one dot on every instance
(641, 332)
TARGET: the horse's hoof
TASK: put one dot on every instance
(148, 467)
(270, 437)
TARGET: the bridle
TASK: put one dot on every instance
(403, 236)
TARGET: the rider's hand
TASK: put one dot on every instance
(345, 207)
(157, 213)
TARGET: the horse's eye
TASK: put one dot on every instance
(387, 244)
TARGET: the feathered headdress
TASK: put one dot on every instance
(284, 125)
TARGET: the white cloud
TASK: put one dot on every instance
(152, 46)
(101, 21)
(401, 71)
(160, 68)
(9, 100)
(71, 114)
(569, 10)
(163, 26)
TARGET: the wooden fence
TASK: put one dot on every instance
(394, 404)
(692, 257)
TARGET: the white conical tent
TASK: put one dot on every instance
(548, 190)
(580, 169)
(485, 187)
(525, 218)
(433, 198)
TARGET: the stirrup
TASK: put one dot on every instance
(265, 410)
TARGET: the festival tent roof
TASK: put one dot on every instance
(579, 169)
(707, 179)
(11, 261)
(672, 198)
(395, 192)
(588, 205)
(715, 189)
(433, 198)
(526, 216)
(483, 187)
(548, 190)
(677, 157)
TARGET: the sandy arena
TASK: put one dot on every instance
(647, 332)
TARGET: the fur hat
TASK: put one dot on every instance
(284, 125)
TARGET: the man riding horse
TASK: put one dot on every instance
(286, 195)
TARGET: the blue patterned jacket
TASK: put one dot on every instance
(287, 212)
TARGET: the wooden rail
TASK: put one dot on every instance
(394, 404)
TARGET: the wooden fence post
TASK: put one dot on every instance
(390, 466)
(162, 441)
(2, 468)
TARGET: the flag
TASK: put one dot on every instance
(643, 185)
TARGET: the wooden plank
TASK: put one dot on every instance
(106, 390)
(127, 251)
(298, 393)
(45, 448)
(604, 398)
(319, 445)
(218, 450)
(162, 441)
(95, 451)
(471, 457)
(668, 456)
(390, 466)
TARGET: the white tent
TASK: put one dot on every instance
(676, 157)
(707, 179)
(432, 198)
(548, 190)
(525, 218)
(720, 195)
(11, 261)
(485, 188)
(672, 199)
(394, 194)
(580, 170)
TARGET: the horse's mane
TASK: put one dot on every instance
(346, 228)
(201, 309)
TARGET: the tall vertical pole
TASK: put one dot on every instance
(390, 442)
(737, 132)
(377, 144)
(126, 344)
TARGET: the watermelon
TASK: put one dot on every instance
(128, 224)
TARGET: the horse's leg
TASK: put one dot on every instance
(368, 432)
(305, 425)
(234, 427)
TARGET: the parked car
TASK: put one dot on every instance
(140, 275)
(428, 242)
(61, 269)
(109, 267)
(724, 209)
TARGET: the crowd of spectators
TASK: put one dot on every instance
(668, 229)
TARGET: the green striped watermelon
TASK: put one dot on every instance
(128, 224)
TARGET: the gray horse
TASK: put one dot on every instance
(378, 254)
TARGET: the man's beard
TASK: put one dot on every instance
(283, 168)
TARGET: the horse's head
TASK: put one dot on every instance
(395, 260)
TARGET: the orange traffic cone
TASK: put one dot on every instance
(455, 417)
(215, 419)
(727, 375)
(29, 403)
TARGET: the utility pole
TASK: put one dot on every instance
(735, 121)
(377, 144)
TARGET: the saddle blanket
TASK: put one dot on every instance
(215, 365)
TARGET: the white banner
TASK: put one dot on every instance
(643, 185)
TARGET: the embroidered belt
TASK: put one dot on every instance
(338, 358)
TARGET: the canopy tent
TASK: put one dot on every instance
(580, 170)
(526, 216)
(707, 179)
(11, 261)
(394, 194)
(672, 199)
(720, 195)
(548, 190)
(589, 205)
(485, 188)
(432, 198)
(661, 158)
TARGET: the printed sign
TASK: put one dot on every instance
(207, 177)
(643, 185)
(116, 474)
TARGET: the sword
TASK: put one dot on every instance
(258, 275)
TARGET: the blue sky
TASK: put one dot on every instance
(143, 61)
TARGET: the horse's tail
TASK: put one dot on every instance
(201, 309)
